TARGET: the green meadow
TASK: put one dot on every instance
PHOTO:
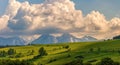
(59, 54)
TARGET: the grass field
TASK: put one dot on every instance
(61, 56)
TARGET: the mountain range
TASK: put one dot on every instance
(11, 41)
(47, 38)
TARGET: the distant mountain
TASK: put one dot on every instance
(11, 41)
(46, 39)
(88, 38)
(116, 37)
(67, 38)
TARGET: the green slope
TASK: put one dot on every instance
(61, 55)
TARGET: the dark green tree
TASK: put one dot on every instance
(119, 51)
(91, 50)
(3, 53)
(66, 46)
(42, 52)
(107, 61)
(99, 49)
(11, 51)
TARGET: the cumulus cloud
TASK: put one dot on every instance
(59, 14)
(55, 16)
(115, 23)
(12, 8)
(96, 22)
(3, 22)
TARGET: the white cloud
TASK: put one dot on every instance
(51, 13)
(56, 16)
(115, 23)
(12, 8)
(96, 21)
(3, 22)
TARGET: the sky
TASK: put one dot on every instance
(26, 18)
(110, 8)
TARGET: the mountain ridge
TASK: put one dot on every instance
(11, 41)
(66, 37)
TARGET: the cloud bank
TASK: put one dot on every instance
(55, 16)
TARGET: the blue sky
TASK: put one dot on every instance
(110, 8)
(3, 5)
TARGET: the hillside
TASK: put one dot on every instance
(62, 55)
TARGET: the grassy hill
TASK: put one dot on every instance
(58, 55)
